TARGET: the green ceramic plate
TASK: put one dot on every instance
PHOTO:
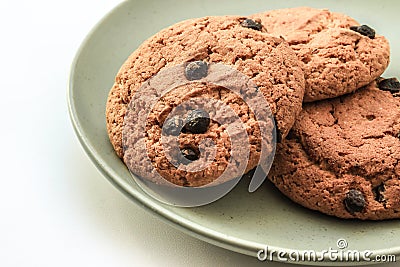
(241, 221)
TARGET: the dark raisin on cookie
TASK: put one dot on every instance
(173, 126)
(196, 70)
(378, 192)
(190, 154)
(364, 30)
(392, 85)
(251, 24)
(291, 135)
(354, 201)
(197, 121)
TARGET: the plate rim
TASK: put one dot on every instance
(151, 205)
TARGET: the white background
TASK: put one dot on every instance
(55, 208)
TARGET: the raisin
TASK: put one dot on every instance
(378, 192)
(190, 154)
(173, 126)
(251, 24)
(197, 121)
(364, 30)
(354, 201)
(196, 70)
(392, 85)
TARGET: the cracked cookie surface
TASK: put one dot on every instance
(268, 61)
(342, 156)
(336, 60)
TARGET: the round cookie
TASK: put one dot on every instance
(341, 157)
(196, 132)
(336, 60)
(268, 61)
